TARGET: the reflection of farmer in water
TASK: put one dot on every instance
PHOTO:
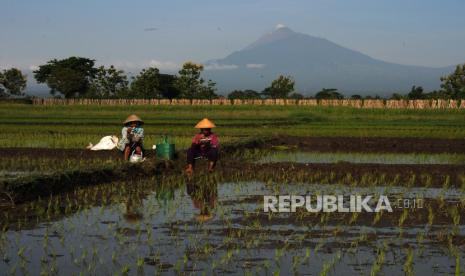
(131, 213)
(204, 145)
(203, 197)
(132, 137)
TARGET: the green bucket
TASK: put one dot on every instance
(165, 150)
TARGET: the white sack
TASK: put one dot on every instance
(106, 143)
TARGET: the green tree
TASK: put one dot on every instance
(416, 93)
(167, 88)
(191, 85)
(71, 76)
(436, 95)
(208, 91)
(12, 82)
(329, 93)
(244, 94)
(356, 97)
(375, 97)
(108, 83)
(453, 85)
(280, 88)
(397, 96)
(146, 84)
(296, 95)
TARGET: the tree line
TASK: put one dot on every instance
(78, 77)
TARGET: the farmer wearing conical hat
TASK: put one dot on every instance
(132, 136)
(204, 145)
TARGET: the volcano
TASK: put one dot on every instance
(316, 63)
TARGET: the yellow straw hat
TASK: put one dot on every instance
(205, 123)
(133, 118)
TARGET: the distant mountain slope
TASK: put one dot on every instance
(316, 63)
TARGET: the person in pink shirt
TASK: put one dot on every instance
(204, 145)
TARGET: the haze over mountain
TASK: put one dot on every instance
(316, 63)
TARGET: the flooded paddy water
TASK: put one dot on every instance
(216, 223)
(360, 158)
(219, 226)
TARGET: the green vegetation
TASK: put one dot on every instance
(244, 94)
(330, 93)
(191, 85)
(453, 86)
(75, 77)
(70, 77)
(12, 83)
(75, 126)
(362, 158)
(108, 83)
(279, 88)
(83, 212)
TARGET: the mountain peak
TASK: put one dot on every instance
(314, 63)
(281, 26)
(280, 32)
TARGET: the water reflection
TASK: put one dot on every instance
(132, 209)
(362, 158)
(204, 196)
(113, 229)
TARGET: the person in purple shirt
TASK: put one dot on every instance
(204, 145)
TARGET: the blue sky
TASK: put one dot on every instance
(134, 34)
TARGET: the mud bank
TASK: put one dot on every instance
(26, 189)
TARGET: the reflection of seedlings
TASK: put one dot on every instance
(408, 265)
(462, 186)
(140, 264)
(426, 180)
(353, 217)
(457, 264)
(380, 258)
(377, 218)
(430, 216)
(125, 269)
(403, 217)
(328, 265)
(420, 239)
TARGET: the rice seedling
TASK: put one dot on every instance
(408, 265)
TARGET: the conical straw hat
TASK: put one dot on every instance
(205, 123)
(133, 118)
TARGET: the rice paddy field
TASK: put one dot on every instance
(67, 210)
(75, 126)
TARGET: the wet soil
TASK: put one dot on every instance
(371, 144)
(43, 153)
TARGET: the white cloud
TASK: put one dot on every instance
(255, 66)
(33, 67)
(6, 66)
(216, 66)
(164, 65)
(279, 26)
